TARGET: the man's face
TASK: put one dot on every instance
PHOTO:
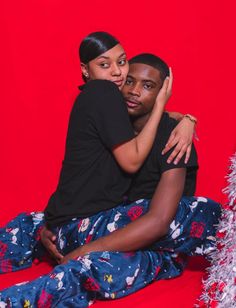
(141, 88)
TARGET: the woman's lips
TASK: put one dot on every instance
(118, 82)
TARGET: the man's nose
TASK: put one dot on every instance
(135, 90)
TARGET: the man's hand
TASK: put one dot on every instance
(78, 252)
(48, 240)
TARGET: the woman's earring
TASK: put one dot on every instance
(86, 75)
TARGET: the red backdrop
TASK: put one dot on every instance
(39, 74)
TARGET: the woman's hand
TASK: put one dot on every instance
(48, 240)
(182, 138)
(165, 91)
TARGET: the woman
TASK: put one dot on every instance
(99, 136)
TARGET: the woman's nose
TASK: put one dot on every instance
(116, 71)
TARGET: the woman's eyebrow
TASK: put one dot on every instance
(123, 54)
(102, 57)
(105, 57)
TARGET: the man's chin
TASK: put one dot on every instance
(132, 113)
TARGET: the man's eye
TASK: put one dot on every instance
(104, 65)
(122, 62)
(147, 86)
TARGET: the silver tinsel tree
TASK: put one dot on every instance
(220, 286)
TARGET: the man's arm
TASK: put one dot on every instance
(148, 228)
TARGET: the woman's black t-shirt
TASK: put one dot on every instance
(91, 180)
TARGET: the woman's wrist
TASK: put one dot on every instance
(190, 117)
(158, 108)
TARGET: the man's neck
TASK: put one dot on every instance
(139, 122)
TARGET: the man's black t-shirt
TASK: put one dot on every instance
(90, 178)
(145, 181)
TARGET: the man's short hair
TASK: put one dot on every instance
(154, 61)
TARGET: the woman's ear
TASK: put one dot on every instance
(84, 69)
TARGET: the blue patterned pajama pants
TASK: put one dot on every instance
(103, 275)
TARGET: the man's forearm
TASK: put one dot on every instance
(153, 225)
(136, 235)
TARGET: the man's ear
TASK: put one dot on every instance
(84, 69)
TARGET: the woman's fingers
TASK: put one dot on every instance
(181, 148)
(188, 153)
(174, 154)
(172, 141)
(165, 85)
(170, 83)
(180, 154)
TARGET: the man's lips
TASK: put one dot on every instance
(132, 103)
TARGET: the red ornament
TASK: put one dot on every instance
(214, 304)
(221, 286)
(221, 234)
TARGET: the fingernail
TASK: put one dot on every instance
(175, 162)
(168, 161)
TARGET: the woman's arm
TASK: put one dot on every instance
(148, 228)
(181, 137)
(175, 115)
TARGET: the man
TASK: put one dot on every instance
(183, 224)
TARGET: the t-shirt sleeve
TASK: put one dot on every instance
(110, 114)
(163, 134)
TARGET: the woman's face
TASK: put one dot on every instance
(111, 65)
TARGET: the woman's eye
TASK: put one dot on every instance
(122, 62)
(104, 65)
(128, 82)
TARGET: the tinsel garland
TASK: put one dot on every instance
(219, 289)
